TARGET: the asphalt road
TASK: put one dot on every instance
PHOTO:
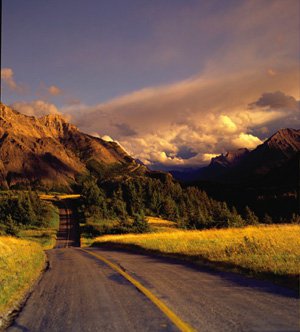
(81, 293)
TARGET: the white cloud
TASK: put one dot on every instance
(7, 77)
(207, 114)
(247, 88)
(54, 90)
(35, 108)
(246, 140)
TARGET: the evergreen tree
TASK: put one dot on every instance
(250, 217)
(235, 219)
(140, 224)
(11, 227)
(267, 219)
(118, 204)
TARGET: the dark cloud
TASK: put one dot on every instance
(276, 100)
(186, 152)
(125, 130)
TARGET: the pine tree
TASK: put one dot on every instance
(250, 217)
(11, 226)
(235, 219)
(267, 219)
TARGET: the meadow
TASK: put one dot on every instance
(263, 250)
(21, 262)
(22, 258)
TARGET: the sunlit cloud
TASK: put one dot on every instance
(7, 77)
(205, 115)
(245, 88)
(36, 108)
(54, 90)
(246, 140)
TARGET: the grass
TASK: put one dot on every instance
(21, 262)
(269, 251)
(94, 228)
(58, 196)
(46, 237)
(158, 225)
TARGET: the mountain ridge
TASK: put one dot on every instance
(244, 165)
(49, 150)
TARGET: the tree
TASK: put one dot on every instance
(118, 204)
(295, 219)
(94, 199)
(235, 219)
(140, 224)
(11, 228)
(250, 217)
(267, 219)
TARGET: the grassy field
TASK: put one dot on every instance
(58, 196)
(21, 263)
(156, 225)
(46, 237)
(272, 251)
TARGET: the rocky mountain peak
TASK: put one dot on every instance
(57, 124)
(50, 150)
(285, 140)
(231, 158)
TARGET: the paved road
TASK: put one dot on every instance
(81, 293)
(68, 233)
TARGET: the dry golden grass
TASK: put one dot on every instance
(54, 197)
(162, 225)
(21, 262)
(273, 249)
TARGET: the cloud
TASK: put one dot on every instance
(246, 140)
(54, 90)
(184, 123)
(35, 108)
(124, 129)
(7, 77)
(276, 100)
(246, 87)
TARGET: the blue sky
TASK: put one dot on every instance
(174, 81)
(96, 50)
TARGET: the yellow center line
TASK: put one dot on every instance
(183, 326)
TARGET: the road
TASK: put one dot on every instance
(68, 233)
(79, 292)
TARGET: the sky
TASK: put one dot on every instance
(175, 82)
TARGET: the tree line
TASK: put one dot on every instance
(133, 197)
(20, 210)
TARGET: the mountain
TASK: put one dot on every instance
(273, 154)
(230, 159)
(266, 178)
(244, 166)
(52, 152)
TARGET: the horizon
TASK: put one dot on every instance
(206, 77)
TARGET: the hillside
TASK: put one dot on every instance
(51, 152)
